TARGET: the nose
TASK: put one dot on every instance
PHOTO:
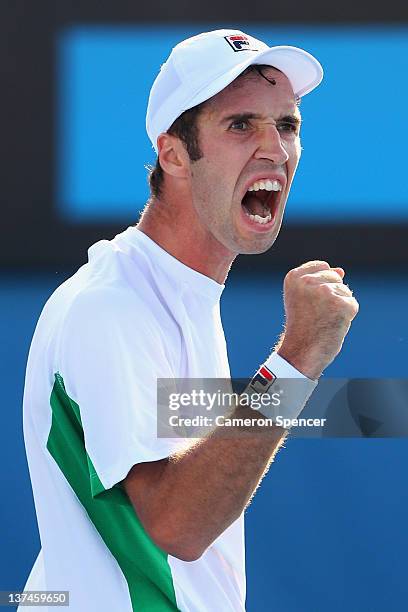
(270, 145)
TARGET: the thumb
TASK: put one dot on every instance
(339, 271)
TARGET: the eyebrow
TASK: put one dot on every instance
(294, 119)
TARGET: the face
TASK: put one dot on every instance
(249, 138)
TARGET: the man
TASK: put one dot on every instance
(129, 520)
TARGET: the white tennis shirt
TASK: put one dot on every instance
(132, 314)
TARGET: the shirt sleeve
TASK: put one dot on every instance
(111, 354)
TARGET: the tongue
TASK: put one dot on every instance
(254, 205)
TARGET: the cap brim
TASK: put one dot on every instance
(302, 69)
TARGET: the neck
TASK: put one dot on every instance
(179, 232)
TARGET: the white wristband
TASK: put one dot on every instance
(289, 388)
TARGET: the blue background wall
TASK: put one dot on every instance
(354, 133)
(327, 529)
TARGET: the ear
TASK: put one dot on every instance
(173, 156)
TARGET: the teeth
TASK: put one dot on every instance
(267, 184)
(259, 219)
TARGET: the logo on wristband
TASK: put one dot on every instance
(262, 380)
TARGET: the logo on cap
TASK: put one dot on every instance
(239, 42)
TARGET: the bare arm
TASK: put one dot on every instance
(185, 502)
(188, 500)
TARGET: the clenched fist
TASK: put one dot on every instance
(319, 310)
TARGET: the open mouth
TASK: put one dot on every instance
(261, 199)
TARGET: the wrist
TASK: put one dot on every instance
(308, 364)
(287, 388)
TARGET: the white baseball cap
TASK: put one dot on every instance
(201, 66)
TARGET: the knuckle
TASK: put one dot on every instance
(343, 290)
(290, 275)
(350, 308)
(309, 280)
(355, 306)
(317, 265)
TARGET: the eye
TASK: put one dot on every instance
(288, 126)
(239, 126)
